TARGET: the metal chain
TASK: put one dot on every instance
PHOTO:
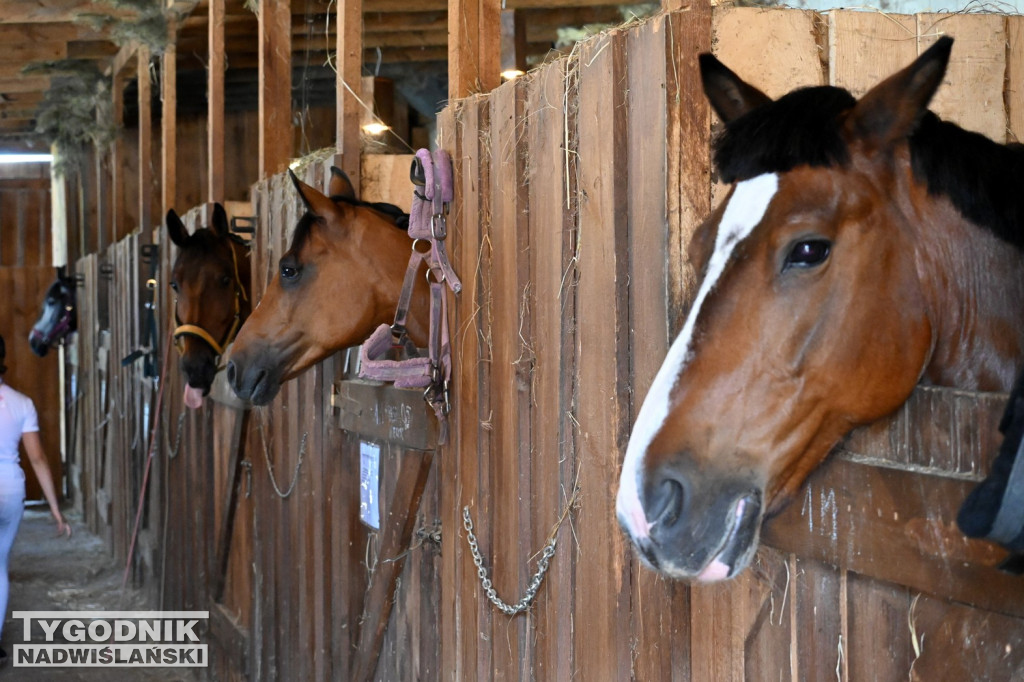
(173, 452)
(531, 589)
(270, 467)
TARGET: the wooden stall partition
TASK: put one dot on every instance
(201, 492)
(89, 359)
(570, 231)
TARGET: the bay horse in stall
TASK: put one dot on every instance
(865, 247)
(339, 280)
(59, 316)
(210, 279)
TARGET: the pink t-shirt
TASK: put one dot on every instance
(17, 416)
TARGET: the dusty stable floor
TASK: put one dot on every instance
(57, 574)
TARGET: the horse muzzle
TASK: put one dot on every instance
(255, 381)
(39, 345)
(695, 530)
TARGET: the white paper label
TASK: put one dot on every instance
(369, 484)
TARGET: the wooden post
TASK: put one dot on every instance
(169, 122)
(116, 217)
(58, 218)
(474, 46)
(350, 75)
(513, 41)
(145, 142)
(275, 55)
(215, 100)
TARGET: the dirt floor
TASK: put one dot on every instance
(57, 574)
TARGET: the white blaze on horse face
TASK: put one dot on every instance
(746, 208)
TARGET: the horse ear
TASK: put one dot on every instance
(176, 229)
(316, 201)
(891, 110)
(62, 272)
(340, 185)
(220, 221)
(730, 96)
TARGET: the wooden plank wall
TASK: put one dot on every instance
(570, 230)
(25, 222)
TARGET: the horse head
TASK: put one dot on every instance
(837, 274)
(58, 317)
(339, 280)
(211, 281)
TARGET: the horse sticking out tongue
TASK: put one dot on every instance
(193, 397)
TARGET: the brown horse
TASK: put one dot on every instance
(339, 280)
(211, 280)
(864, 248)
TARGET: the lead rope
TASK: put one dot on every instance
(531, 589)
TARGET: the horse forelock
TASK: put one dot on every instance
(803, 127)
(978, 175)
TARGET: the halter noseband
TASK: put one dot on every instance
(195, 330)
(61, 328)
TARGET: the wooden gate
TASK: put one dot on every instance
(578, 188)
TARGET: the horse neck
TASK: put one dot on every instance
(973, 284)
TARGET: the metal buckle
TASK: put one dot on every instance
(435, 233)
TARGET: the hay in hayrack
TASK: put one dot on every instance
(75, 113)
(149, 25)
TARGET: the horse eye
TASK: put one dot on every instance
(225, 280)
(174, 287)
(289, 272)
(808, 254)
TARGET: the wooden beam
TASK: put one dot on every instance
(23, 53)
(349, 87)
(169, 122)
(513, 40)
(145, 144)
(50, 11)
(10, 86)
(47, 33)
(474, 46)
(124, 57)
(215, 103)
(403, 5)
(275, 86)
(116, 213)
(91, 49)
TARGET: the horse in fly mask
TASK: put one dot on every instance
(58, 317)
(862, 250)
(210, 279)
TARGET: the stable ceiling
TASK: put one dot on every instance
(398, 34)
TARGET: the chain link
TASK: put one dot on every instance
(531, 589)
(173, 452)
(270, 467)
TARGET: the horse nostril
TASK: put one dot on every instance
(668, 504)
(231, 373)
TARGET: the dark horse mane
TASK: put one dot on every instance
(395, 215)
(980, 177)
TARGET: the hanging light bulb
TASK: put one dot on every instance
(375, 128)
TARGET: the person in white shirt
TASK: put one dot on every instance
(19, 424)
